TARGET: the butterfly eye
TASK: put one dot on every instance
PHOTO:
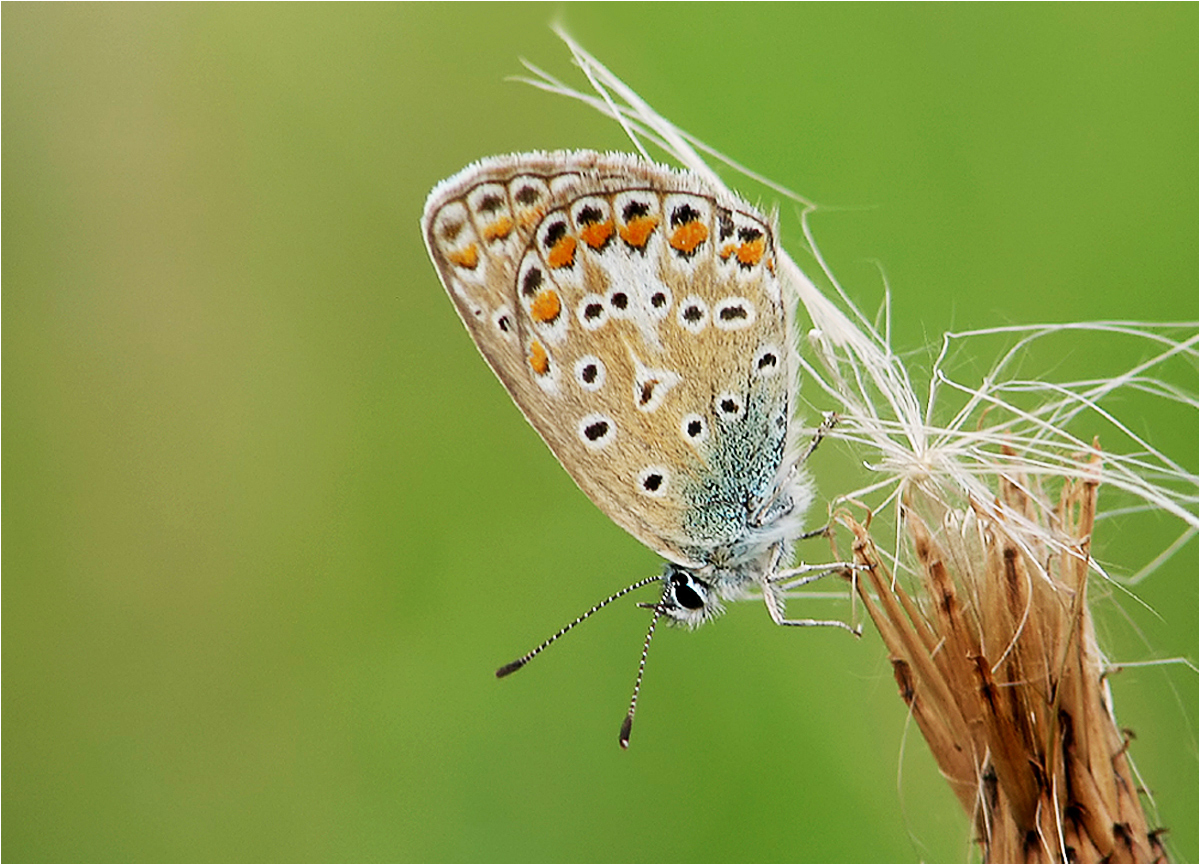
(742, 242)
(688, 592)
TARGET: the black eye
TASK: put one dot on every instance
(685, 594)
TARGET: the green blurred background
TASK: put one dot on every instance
(271, 524)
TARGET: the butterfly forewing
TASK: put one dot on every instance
(635, 317)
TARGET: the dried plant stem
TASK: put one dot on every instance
(997, 661)
(994, 650)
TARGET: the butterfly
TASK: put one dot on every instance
(637, 317)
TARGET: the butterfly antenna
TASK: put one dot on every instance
(627, 724)
(526, 658)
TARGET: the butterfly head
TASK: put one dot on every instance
(688, 600)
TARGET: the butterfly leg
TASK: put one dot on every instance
(828, 422)
(794, 578)
(775, 608)
(815, 533)
(774, 583)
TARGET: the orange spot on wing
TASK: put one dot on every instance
(538, 359)
(498, 229)
(596, 234)
(467, 257)
(687, 237)
(545, 307)
(638, 230)
(726, 251)
(751, 253)
(562, 254)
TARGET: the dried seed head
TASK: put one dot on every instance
(996, 658)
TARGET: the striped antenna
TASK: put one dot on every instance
(627, 724)
(525, 659)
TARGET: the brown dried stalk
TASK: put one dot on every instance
(997, 661)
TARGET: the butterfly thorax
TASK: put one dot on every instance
(694, 594)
